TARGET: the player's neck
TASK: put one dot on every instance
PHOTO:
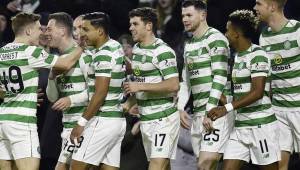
(242, 44)
(277, 21)
(148, 40)
(21, 39)
(101, 41)
(201, 30)
(66, 44)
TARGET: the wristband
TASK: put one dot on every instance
(229, 107)
(82, 121)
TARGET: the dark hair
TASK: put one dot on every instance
(98, 19)
(147, 15)
(246, 21)
(198, 4)
(63, 19)
(23, 19)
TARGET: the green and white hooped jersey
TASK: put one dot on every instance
(154, 64)
(74, 82)
(284, 50)
(251, 63)
(108, 61)
(19, 79)
(206, 60)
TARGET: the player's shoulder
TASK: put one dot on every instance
(215, 36)
(162, 47)
(14, 47)
(111, 46)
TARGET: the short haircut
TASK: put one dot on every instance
(98, 19)
(63, 19)
(198, 4)
(147, 15)
(246, 21)
(21, 20)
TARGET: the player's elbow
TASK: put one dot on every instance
(258, 95)
(174, 88)
(172, 85)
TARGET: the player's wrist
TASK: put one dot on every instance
(82, 121)
(140, 87)
(229, 107)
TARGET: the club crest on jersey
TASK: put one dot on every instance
(190, 63)
(277, 59)
(287, 45)
(137, 71)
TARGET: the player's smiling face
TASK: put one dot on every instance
(191, 18)
(263, 9)
(54, 33)
(137, 28)
(89, 33)
(77, 24)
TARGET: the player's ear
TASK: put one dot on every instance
(28, 31)
(101, 31)
(63, 31)
(149, 26)
(203, 15)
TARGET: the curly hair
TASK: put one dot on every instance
(246, 21)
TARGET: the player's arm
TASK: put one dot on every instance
(167, 86)
(51, 90)
(97, 100)
(79, 98)
(41, 59)
(131, 101)
(67, 61)
(185, 89)
(219, 52)
(183, 98)
(259, 73)
(103, 65)
(166, 63)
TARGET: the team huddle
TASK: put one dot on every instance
(248, 112)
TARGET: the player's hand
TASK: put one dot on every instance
(134, 110)
(13, 6)
(40, 95)
(131, 87)
(76, 133)
(208, 124)
(62, 104)
(136, 128)
(217, 112)
(184, 119)
(82, 42)
(53, 74)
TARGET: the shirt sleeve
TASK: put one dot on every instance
(52, 91)
(260, 66)
(103, 65)
(41, 59)
(219, 53)
(78, 98)
(185, 90)
(167, 65)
